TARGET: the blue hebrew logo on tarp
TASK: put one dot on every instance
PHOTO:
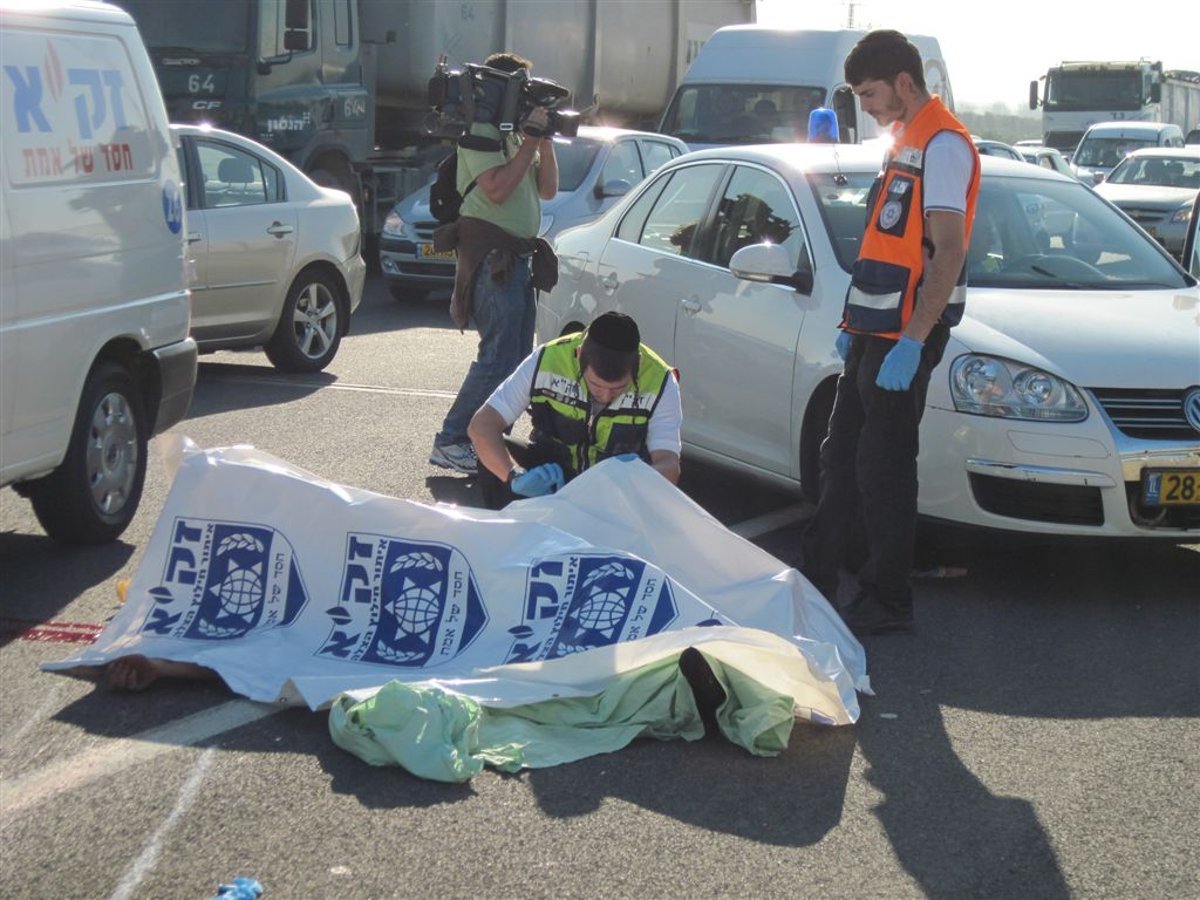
(577, 602)
(222, 580)
(404, 603)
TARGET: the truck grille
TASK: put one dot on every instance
(1155, 415)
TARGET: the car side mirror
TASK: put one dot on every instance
(295, 40)
(771, 264)
(616, 187)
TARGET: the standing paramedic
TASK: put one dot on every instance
(906, 293)
(500, 259)
(593, 395)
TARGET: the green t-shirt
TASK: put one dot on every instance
(521, 213)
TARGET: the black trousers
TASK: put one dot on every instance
(869, 475)
(497, 494)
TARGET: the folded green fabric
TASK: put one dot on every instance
(437, 734)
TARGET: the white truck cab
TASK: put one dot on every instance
(753, 84)
(95, 356)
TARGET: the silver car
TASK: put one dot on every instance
(1156, 187)
(595, 168)
(275, 258)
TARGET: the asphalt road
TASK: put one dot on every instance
(1037, 737)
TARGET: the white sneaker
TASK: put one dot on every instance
(459, 457)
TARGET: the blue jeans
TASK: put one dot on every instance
(504, 315)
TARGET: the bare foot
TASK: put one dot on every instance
(137, 672)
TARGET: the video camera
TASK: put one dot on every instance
(475, 93)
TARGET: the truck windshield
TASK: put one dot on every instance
(216, 26)
(1070, 90)
(742, 113)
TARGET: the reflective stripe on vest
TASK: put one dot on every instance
(561, 408)
(890, 266)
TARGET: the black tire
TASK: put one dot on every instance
(93, 494)
(310, 326)
(406, 294)
(812, 433)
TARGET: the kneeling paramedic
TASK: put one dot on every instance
(593, 395)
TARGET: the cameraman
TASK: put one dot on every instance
(501, 260)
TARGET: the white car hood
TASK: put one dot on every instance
(1137, 339)
(1148, 195)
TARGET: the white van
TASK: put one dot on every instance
(1105, 144)
(95, 356)
(752, 84)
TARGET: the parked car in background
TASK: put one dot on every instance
(1105, 144)
(276, 258)
(1192, 138)
(595, 168)
(1191, 246)
(1063, 404)
(997, 148)
(1047, 158)
(1157, 188)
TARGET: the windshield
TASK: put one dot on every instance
(1108, 151)
(575, 157)
(215, 26)
(1163, 171)
(743, 113)
(1029, 233)
(1071, 90)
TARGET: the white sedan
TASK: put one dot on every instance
(1067, 402)
(276, 258)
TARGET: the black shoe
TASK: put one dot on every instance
(869, 615)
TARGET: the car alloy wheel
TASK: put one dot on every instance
(310, 326)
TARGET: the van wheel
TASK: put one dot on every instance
(92, 496)
(309, 328)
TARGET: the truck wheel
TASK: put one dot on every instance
(92, 496)
(310, 326)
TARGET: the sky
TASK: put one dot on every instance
(994, 49)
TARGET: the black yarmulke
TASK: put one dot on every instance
(615, 331)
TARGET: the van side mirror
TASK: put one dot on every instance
(770, 264)
(1033, 95)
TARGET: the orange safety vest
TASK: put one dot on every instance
(890, 264)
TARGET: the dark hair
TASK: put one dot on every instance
(605, 363)
(507, 61)
(881, 56)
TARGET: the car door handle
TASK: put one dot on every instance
(279, 229)
(610, 281)
(194, 236)
(691, 306)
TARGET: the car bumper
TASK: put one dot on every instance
(354, 270)
(1077, 479)
(177, 378)
(401, 266)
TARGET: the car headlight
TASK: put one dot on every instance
(989, 386)
(1183, 214)
(393, 225)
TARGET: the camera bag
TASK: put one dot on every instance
(444, 199)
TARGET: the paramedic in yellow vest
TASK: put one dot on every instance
(593, 395)
(906, 293)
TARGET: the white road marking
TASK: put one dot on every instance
(336, 386)
(148, 858)
(772, 521)
(66, 775)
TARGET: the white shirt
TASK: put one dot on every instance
(949, 156)
(512, 397)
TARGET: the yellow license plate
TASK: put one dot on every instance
(426, 251)
(1171, 487)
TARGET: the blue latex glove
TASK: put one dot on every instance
(842, 345)
(538, 482)
(242, 888)
(627, 457)
(900, 365)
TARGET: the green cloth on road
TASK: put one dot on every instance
(437, 734)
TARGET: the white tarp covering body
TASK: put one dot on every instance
(295, 589)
